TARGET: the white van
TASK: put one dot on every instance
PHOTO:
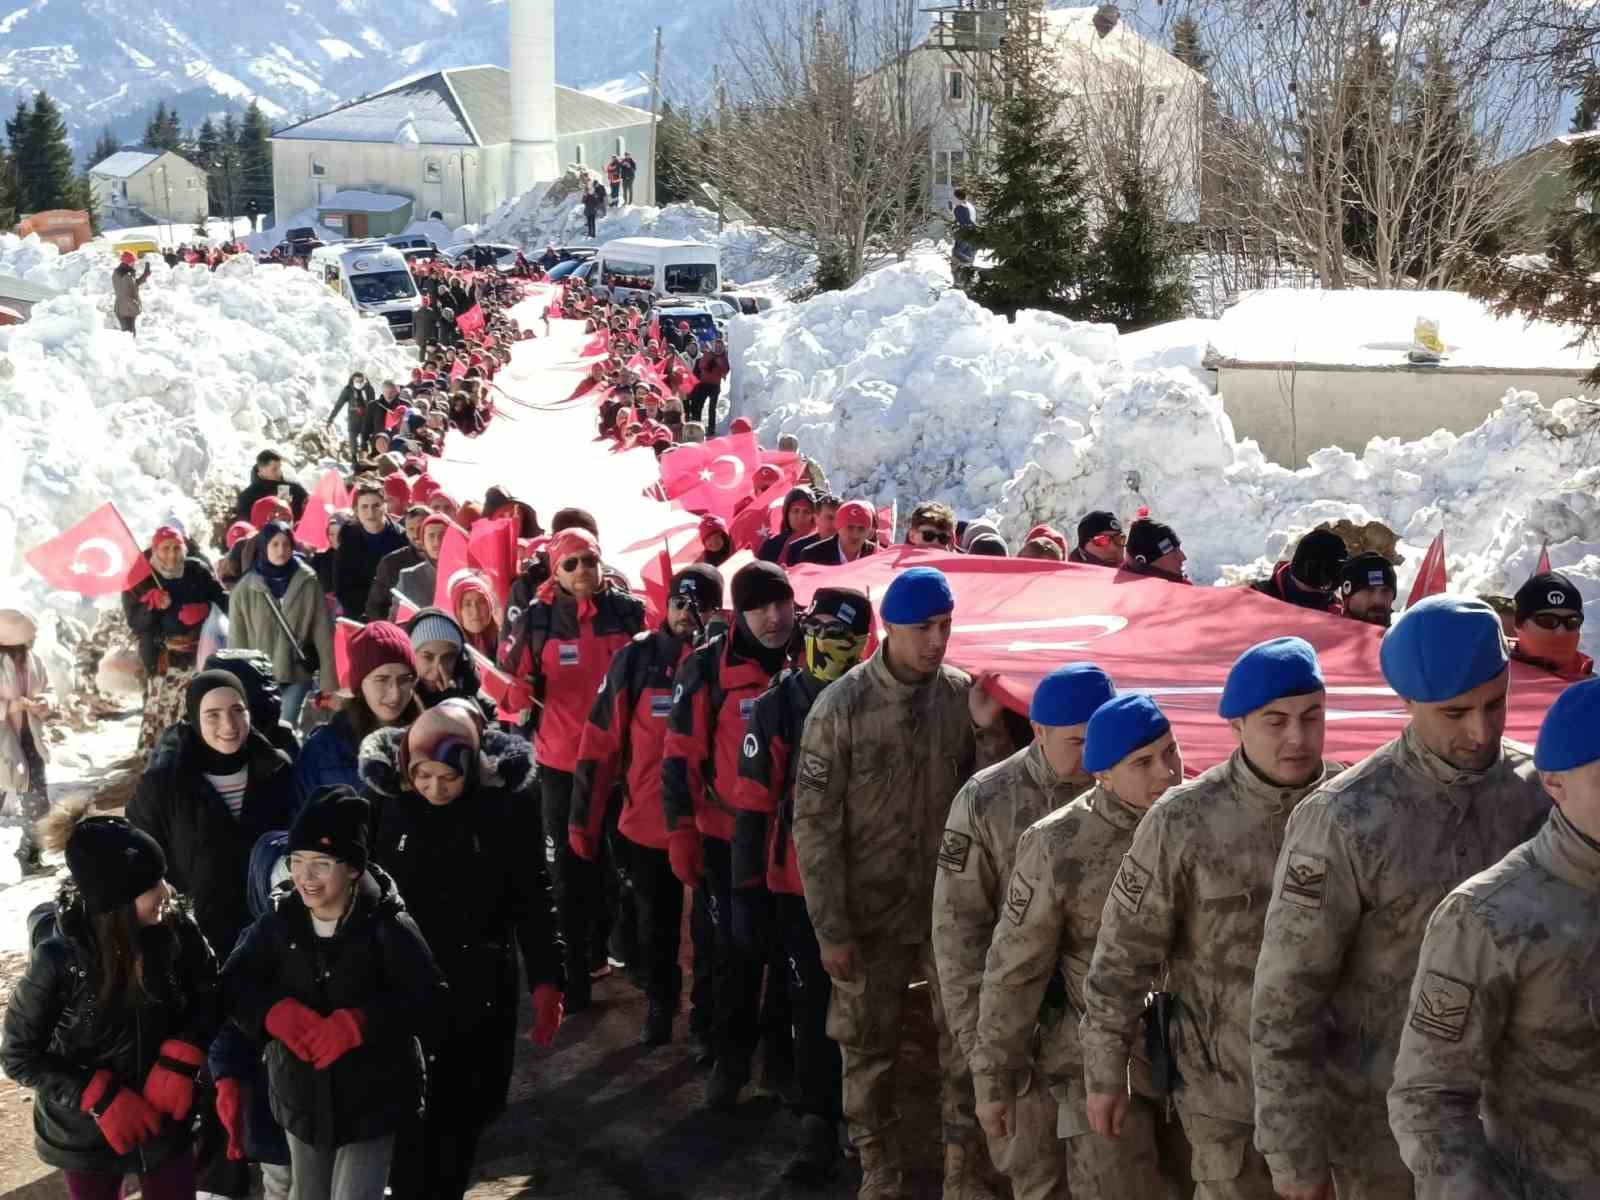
(657, 267)
(374, 278)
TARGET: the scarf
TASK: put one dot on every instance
(277, 578)
(210, 761)
(565, 544)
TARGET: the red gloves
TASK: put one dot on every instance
(230, 1111)
(194, 614)
(546, 1014)
(340, 1033)
(126, 1121)
(583, 845)
(156, 598)
(293, 1024)
(687, 856)
(169, 1088)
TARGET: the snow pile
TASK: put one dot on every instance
(906, 390)
(225, 364)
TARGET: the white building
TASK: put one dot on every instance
(1115, 82)
(442, 141)
(142, 187)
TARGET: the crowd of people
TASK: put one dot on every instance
(304, 943)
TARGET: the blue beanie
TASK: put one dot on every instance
(1269, 671)
(1570, 735)
(1069, 695)
(1118, 728)
(1442, 646)
(916, 595)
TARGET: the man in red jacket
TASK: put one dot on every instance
(766, 877)
(710, 369)
(624, 738)
(711, 705)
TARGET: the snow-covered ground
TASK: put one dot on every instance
(176, 233)
(225, 363)
(907, 390)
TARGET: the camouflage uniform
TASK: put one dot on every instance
(980, 842)
(1505, 1020)
(1066, 865)
(1366, 859)
(880, 762)
(1205, 853)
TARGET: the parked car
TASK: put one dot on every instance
(702, 320)
(482, 255)
(410, 241)
(301, 241)
(746, 303)
(563, 269)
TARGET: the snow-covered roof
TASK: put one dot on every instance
(1369, 328)
(461, 106)
(13, 288)
(355, 200)
(1124, 49)
(124, 163)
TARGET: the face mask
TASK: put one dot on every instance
(829, 657)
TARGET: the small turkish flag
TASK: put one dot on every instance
(471, 321)
(511, 695)
(711, 476)
(1431, 574)
(343, 630)
(492, 549)
(96, 557)
(887, 518)
(1543, 567)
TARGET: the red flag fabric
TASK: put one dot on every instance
(492, 549)
(675, 548)
(96, 557)
(1543, 567)
(711, 476)
(458, 371)
(887, 519)
(343, 630)
(1430, 579)
(1024, 617)
(331, 491)
(452, 557)
(391, 419)
(764, 514)
(471, 321)
(404, 610)
(510, 694)
(312, 528)
(597, 344)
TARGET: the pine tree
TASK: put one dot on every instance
(1586, 119)
(1446, 152)
(105, 146)
(1186, 44)
(677, 145)
(207, 156)
(162, 131)
(253, 182)
(1142, 277)
(11, 197)
(1031, 214)
(43, 159)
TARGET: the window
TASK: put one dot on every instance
(192, 183)
(948, 167)
(955, 85)
(578, 158)
(621, 147)
(432, 172)
(637, 276)
(695, 279)
(380, 287)
(319, 169)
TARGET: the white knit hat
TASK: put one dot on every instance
(16, 628)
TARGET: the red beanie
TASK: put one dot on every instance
(378, 645)
(237, 532)
(740, 425)
(263, 509)
(396, 488)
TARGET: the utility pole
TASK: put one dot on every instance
(655, 93)
(721, 94)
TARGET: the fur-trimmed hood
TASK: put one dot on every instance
(504, 761)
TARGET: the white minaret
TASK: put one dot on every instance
(533, 93)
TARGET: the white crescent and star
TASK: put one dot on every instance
(113, 556)
(738, 471)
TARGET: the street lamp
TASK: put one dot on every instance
(167, 191)
(461, 157)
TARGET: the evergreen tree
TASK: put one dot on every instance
(1446, 152)
(676, 150)
(11, 197)
(1186, 45)
(1031, 214)
(207, 156)
(1586, 119)
(1142, 277)
(105, 146)
(253, 181)
(1366, 92)
(162, 131)
(43, 159)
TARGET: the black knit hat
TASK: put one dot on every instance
(1096, 523)
(1369, 570)
(1318, 557)
(843, 604)
(1545, 591)
(112, 863)
(702, 583)
(759, 584)
(1148, 540)
(333, 822)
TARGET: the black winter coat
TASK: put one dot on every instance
(259, 487)
(474, 880)
(207, 848)
(357, 563)
(376, 962)
(155, 626)
(357, 401)
(379, 600)
(56, 1037)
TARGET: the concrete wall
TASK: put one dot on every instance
(1294, 411)
(599, 145)
(184, 183)
(430, 175)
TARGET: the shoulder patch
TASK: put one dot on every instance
(751, 745)
(1018, 896)
(1305, 878)
(814, 771)
(1131, 883)
(953, 850)
(1442, 1008)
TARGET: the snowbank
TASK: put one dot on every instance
(907, 390)
(225, 363)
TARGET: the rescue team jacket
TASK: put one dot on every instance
(565, 659)
(626, 732)
(1366, 859)
(711, 704)
(763, 831)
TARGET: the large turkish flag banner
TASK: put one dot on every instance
(1022, 618)
(711, 476)
(96, 557)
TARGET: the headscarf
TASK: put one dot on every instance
(467, 580)
(166, 533)
(276, 577)
(446, 734)
(568, 542)
(435, 518)
(202, 685)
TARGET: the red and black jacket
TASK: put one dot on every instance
(565, 660)
(626, 732)
(763, 848)
(716, 692)
(1281, 585)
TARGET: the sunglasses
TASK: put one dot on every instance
(1552, 622)
(579, 560)
(681, 602)
(824, 627)
(942, 536)
(1108, 539)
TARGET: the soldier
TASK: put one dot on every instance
(1496, 1085)
(1066, 866)
(1365, 859)
(1204, 858)
(975, 857)
(882, 756)
(835, 630)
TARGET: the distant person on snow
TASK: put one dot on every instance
(630, 169)
(266, 479)
(963, 254)
(614, 179)
(125, 287)
(23, 744)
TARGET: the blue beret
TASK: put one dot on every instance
(1570, 735)
(1269, 671)
(1118, 728)
(1069, 695)
(1441, 647)
(915, 595)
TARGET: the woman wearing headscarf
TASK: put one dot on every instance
(476, 610)
(24, 748)
(278, 608)
(383, 686)
(562, 645)
(165, 610)
(454, 824)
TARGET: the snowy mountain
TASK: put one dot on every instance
(107, 61)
